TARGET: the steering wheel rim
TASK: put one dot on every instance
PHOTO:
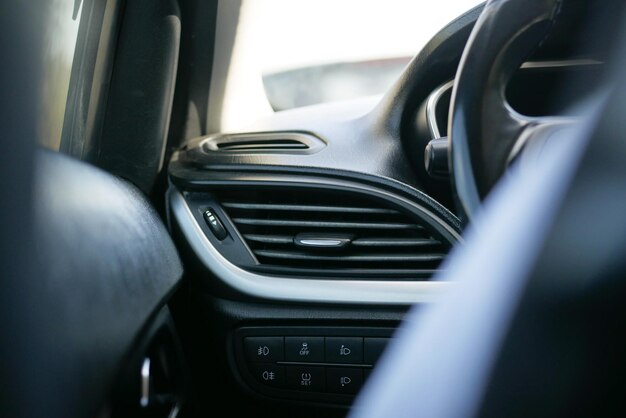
(485, 131)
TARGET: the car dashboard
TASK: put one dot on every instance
(310, 234)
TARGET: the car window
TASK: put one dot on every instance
(58, 56)
(289, 54)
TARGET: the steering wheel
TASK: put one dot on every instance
(486, 133)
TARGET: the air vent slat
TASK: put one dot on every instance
(358, 272)
(324, 224)
(307, 208)
(358, 257)
(325, 233)
(361, 242)
(269, 239)
(394, 242)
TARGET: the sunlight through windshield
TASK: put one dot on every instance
(290, 54)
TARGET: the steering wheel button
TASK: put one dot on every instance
(264, 349)
(344, 350)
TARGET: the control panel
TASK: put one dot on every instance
(324, 364)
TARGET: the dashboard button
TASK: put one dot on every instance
(305, 349)
(264, 349)
(344, 380)
(373, 348)
(344, 350)
(268, 373)
(305, 378)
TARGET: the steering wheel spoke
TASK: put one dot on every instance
(539, 130)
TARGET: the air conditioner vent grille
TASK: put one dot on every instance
(373, 237)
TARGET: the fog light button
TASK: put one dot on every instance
(344, 379)
(347, 350)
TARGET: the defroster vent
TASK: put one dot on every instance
(328, 233)
(263, 143)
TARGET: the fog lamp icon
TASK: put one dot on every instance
(344, 351)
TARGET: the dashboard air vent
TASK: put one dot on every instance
(265, 143)
(261, 145)
(324, 233)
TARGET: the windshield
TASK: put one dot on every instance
(289, 54)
